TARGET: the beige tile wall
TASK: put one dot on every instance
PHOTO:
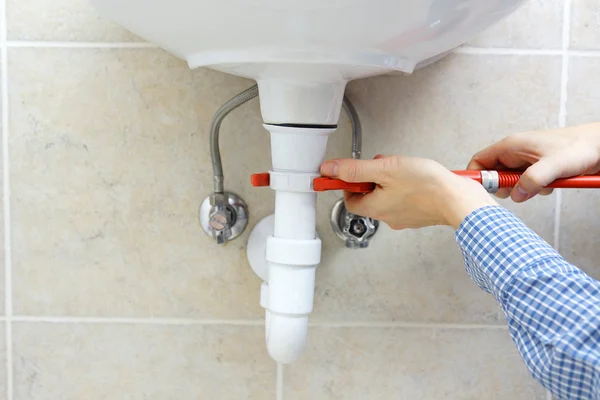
(115, 292)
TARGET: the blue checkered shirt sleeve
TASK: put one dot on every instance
(552, 307)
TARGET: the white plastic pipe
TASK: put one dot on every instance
(295, 216)
(294, 251)
(301, 94)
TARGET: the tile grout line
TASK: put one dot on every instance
(6, 203)
(564, 78)
(136, 321)
(557, 218)
(562, 118)
(508, 51)
(562, 111)
(584, 53)
(406, 325)
(247, 322)
(279, 382)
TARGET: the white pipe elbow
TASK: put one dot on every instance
(288, 300)
(288, 295)
(285, 336)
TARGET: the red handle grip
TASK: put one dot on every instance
(470, 174)
(508, 179)
(324, 183)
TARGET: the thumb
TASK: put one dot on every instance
(533, 180)
(351, 170)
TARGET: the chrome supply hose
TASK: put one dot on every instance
(356, 128)
(215, 127)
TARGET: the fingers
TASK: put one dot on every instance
(476, 165)
(350, 170)
(535, 178)
(489, 157)
(490, 163)
(361, 204)
(503, 193)
(357, 203)
(512, 152)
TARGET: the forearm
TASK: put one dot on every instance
(552, 308)
(497, 246)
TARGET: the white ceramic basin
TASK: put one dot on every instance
(302, 52)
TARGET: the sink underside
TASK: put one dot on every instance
(360, 37)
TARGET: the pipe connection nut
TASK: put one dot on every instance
(293, 252)
(292, 266)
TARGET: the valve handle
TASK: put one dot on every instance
(320, 184)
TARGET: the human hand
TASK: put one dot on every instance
(545, 156)
(410, 192)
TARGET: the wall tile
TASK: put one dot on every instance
(577, 228)
(110, 162)
(446, 112)
(61, 20)
(389, 363)
(67, 361)
(583, 96)
(536, 24)
(585, 25)
(3, 371)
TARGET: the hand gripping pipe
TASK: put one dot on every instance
(244, 97)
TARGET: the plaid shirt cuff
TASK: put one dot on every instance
(496, 245)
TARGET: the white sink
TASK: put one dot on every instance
(302, 53)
